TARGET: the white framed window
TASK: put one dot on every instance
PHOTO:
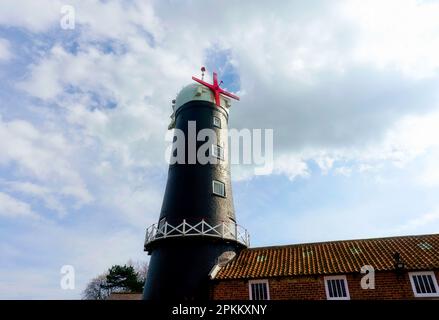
(217, 122)
(219, 188)
(258, 290)
(336, 288)
(424, 284)
(218, 152)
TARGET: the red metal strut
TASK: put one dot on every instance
(216, 89)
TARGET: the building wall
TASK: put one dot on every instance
(387, 286)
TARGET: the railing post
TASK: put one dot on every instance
(222, 229)
(184, 227)
(202, 226)
(166, 229)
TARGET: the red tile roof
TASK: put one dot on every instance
(124, 296)
(417, 252)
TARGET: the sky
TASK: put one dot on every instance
(350, 89)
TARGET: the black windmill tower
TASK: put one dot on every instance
(197, 230)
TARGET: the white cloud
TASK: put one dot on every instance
(408, 140)
(325, 163)
(427, 174)
(427, 220)
(118, 19)
(344, 171)
(11, 207)
(292, 166)
(304, 73)
(397, 34)
(44, 82)
(48, 195)
(5, 53)
(356, 117)
(282, 58)
(35, 16)
(430, 176)
(130, 194)
(135, 129)
(46, 157)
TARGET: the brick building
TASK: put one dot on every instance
(404, 268)
(124, 296)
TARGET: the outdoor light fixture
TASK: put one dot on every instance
(399, 264)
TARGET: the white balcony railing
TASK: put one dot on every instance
(225, 230)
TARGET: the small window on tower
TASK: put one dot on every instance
(218, 152)
(258, 290)
(217, 122)
(424, 284)
(219, 188)
(336, 288)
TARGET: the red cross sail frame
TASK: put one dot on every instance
(215, 88)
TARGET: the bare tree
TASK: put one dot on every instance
(141, 268)
(96, 289)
